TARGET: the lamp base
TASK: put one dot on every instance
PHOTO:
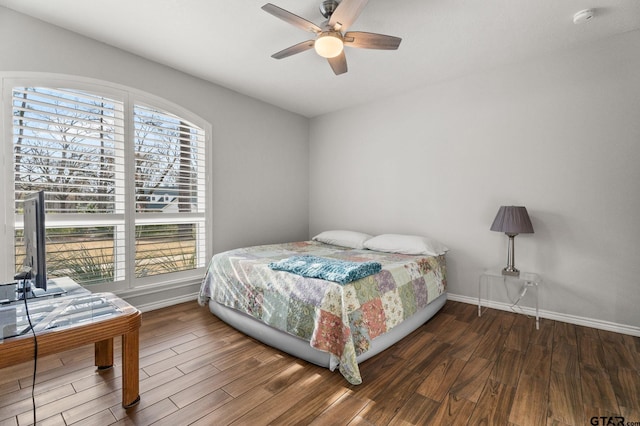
(511, 272)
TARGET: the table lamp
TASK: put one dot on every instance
(512, 220)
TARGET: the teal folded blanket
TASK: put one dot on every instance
(340, 271)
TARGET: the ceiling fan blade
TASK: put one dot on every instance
(289, 17)
(296, 48)
(338, 63)
(371, 40)
(346, 14)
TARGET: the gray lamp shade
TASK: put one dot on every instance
(512, 220)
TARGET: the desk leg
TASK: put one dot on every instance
(104, 354)
(130, 366)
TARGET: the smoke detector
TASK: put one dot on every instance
(583, 16)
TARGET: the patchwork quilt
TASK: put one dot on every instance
(341, 319)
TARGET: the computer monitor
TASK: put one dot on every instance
(35, 262)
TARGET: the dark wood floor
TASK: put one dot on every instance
(457, 369)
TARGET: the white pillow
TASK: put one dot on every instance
(341, 238)
(406, 244)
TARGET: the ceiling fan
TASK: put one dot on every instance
(330, 35)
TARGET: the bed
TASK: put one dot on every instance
(324, 322)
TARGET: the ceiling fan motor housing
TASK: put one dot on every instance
(328, 7)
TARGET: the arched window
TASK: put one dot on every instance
(124, 177)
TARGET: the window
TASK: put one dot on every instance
(124, 181)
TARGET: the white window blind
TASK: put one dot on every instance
(121, 203)
(169, 193)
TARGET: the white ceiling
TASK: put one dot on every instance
(230, 42)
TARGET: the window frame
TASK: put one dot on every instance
(129, 97)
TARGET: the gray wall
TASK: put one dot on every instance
(559, 135)
(260, 152)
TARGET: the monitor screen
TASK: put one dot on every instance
(34, 240)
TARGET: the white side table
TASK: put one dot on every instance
(526, 279)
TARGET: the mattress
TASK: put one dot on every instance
(342, 320)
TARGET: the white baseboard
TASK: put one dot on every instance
(149, 298)
(167, 302)
(571, 319)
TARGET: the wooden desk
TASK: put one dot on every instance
(75, 320)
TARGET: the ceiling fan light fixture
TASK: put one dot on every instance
(329, 44)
